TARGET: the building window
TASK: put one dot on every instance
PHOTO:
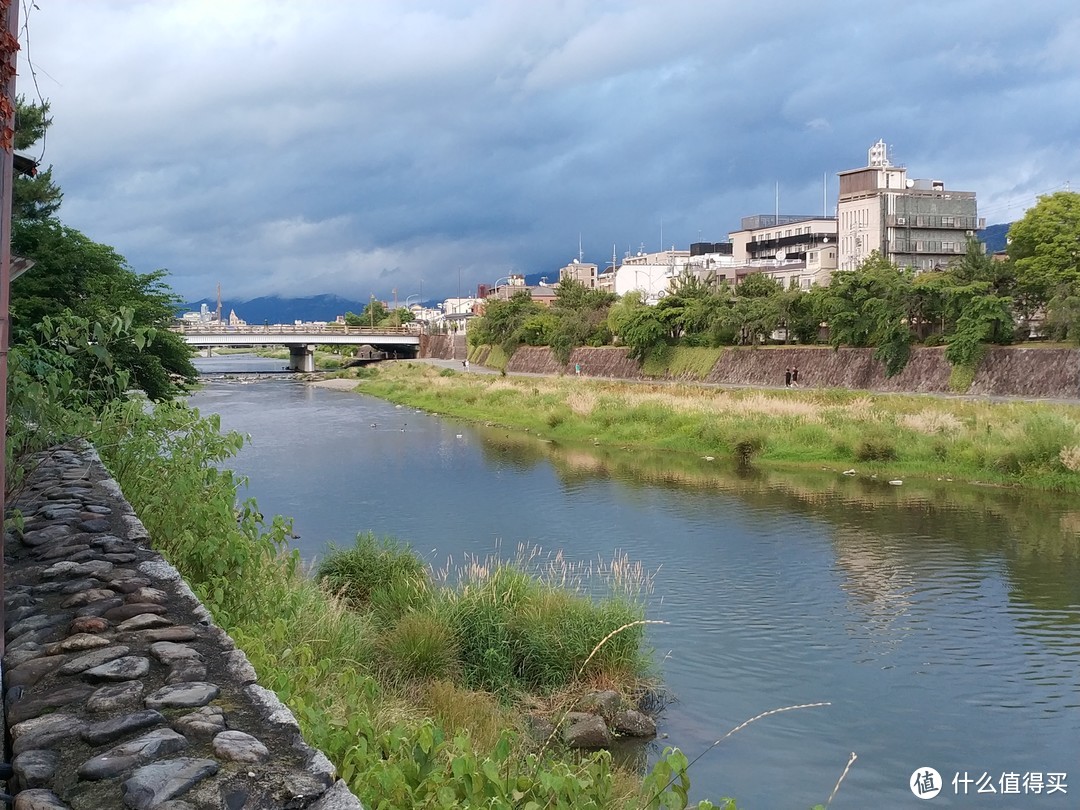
(947, 222)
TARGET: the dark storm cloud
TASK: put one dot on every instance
(351, 147)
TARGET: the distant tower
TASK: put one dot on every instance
(218, 317)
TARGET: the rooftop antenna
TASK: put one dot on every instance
(776, 222)
(580, 252)
(824, 194)
(613, 258)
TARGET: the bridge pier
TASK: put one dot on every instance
(302, 358)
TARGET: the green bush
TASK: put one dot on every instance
(876, 449)
(381, 574)
(747, 447)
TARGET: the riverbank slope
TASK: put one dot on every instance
(1013, 443)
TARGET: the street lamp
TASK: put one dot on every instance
(495, 286)
(411, 297)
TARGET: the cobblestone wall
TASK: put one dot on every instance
(1004, 371)
(119, 690)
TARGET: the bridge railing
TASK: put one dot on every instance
(291, 329)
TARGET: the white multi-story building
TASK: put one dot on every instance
(650, 273)
(784, 237)
(912, 223)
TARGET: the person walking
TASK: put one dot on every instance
(795, 376)
(577, 369)
(787, 378)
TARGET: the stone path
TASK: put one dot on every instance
(118, 688)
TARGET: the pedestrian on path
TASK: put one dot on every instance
(787, 378)
(577, 369)
(795, 376)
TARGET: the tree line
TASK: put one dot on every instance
(1034, 290)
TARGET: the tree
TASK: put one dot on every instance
(72, 273)
(755, 311)
(503, 320)
(641, 330)
(580, 317)
(374, 314)
(866, 307)
(1045, 247)
(37, 197)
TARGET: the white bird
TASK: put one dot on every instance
(896, 482)
(849, 472)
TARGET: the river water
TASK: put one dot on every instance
(941, 623)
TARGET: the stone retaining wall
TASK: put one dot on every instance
(119, 690)
(1004, 371)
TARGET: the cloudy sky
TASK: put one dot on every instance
(357, 146)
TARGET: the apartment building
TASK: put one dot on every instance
(784, 237)
(585, 272)
(911, 222)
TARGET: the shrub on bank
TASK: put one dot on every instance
(496, 627)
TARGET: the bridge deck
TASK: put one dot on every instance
(286, 335)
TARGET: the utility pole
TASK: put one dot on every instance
(9, 47)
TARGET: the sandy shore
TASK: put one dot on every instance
(337, 383)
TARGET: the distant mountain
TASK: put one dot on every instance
(993, 236)
(273, 309)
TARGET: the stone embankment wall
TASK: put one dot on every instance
(119, 689)
(443, 347)
(1004, 371)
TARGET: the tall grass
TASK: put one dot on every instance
(367, 663)
(1015, 443)
(502, 627)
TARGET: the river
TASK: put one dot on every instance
(940, 622)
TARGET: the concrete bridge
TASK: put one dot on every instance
(301, 340)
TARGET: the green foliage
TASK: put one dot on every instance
(693, 363)
(747, 447)
(641, 331)
(503, 321)
(37, 197)
(876, 448)
(376, 313)
(1045, 247)
(1063, 314)
(375, 572)
(420, 646)
(93, 282)
(516, 632)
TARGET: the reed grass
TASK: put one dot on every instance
(506, 627)
(1014, 443)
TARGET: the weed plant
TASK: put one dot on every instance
(1015, 443)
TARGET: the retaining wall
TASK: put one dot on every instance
(1004, 371)
(119, 690)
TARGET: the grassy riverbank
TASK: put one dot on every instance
(1025, 444)
(416, 684)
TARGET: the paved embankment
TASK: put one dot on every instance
(119, 690)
